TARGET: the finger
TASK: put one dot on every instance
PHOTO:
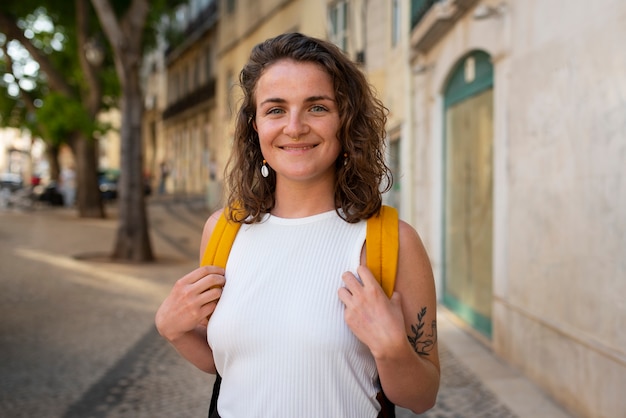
(206, 283)
(207, 312)
(366, 275)
(200, 272)
(396, 298)
(214, 281)
(344, 295)
(211, 295)
(351, 282)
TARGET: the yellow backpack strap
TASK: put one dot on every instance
(381, 247)
(222, 238)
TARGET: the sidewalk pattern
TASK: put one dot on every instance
(152, 381)
(461, 394)
(145, 378)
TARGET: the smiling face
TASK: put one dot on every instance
(297, 122)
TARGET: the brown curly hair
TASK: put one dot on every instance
(365, 176)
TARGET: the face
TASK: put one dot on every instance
(297, 121)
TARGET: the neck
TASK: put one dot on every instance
(299, 201)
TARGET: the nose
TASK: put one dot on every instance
(296, 126)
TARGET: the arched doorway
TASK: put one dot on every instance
(468, 191)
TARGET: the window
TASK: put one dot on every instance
(184, 88)
(394, 160)
(338, 24)
(208, 65)
(197, 66)
(396, 23)
(173, 88)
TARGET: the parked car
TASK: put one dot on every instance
(49, 193)
(108, 180)
(11, 181)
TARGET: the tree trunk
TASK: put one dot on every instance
(133, 239)
(52, 156)
(88, 198)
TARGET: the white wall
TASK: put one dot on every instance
(559, 189)
(567, 202)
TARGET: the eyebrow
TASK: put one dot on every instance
(307, 100)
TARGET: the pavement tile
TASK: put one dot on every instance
(140, 375)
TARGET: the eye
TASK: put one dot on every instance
(318, 108)
(275, 111)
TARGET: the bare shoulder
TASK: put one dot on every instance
(415, 275)
(212, 220)
(411, 246)
(209, 226)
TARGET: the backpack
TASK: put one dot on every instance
(381, 243)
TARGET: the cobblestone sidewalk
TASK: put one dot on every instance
(152, 381)
(461, 394)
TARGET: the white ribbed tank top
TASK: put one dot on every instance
(278, 333)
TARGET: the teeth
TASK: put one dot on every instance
(296, 148)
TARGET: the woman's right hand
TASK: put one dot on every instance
(190, 303)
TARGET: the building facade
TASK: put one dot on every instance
(506, 139)
(180, 127)
(519, 117)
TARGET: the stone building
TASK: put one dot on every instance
(180, 123)
(519, 148)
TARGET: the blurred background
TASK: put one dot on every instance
(506, 137)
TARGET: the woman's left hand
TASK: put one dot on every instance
(377, 321)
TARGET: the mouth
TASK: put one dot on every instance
(297, 147)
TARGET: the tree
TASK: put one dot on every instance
(125, 26)
(68, 92)
(129, 27)
(125, 38)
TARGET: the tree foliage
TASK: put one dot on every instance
(68, 91)
(39, 62)
(49, 87)
(64, 116)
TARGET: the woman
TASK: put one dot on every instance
(297, 325)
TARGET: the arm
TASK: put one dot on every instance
(401, 331)
(182, 317)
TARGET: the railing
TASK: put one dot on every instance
(175, 36)
(199, 95)
(419, 8)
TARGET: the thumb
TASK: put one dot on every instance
(396, 299)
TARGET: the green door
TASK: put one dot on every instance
(468, 191)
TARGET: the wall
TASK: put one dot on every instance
(559, 189)
(563, 314)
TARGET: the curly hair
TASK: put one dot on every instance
(360, 182)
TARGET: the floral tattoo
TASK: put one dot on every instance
(423, 344)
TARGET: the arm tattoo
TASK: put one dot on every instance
(423, 344)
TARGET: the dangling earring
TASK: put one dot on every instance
(264, 170)
(345, 159)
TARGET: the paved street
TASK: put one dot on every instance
(77, 338)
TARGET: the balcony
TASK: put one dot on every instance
(419, 9)
(179, 40)
(432, 19)
(198, 96)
